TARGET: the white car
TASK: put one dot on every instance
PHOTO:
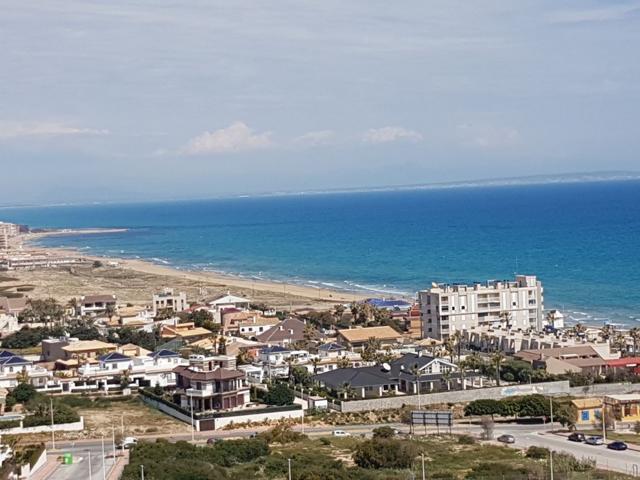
(341, 433)
(128, 442)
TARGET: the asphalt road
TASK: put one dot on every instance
(526, 435)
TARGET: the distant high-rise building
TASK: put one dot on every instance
(446, 308)
(7, 230)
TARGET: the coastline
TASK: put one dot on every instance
(278, 294)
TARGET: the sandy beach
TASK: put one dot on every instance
(134, 281)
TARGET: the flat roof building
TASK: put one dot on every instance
(446, 308)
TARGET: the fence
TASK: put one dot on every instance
(601, 389)
(59, 427)
(214, 421)
(458, 396)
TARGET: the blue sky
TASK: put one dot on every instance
(134, 100)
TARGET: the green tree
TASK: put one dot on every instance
(279, 394)
(483, 407)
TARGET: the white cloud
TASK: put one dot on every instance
(10, 130)
(604, 14)
(391, 134)
(488, 136)
(237, 137)
(314, 139)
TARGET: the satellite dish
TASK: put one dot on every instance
(386, 367)
(402, 367)
(420, 353)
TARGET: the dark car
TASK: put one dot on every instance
(507, 439)
(617, 446)
(211, 441)
(577, 437)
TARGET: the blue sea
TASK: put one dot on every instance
(581, 239)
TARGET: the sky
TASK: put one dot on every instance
(156, 99)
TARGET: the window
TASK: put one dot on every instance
(584, 415)
(462, 307)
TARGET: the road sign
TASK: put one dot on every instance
(442, 418)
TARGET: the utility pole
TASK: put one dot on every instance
(551, 410)
(604, 422)
(104, 469)
(122, 424)
(193, 431)
(141, 472)
(550, 464)
(53, 434)
(113, 441)
(90, 472)
(289, 463)
(423, 470)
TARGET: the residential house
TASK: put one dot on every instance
(255, 325)
(97, 304)
(407, 375)
(227, 302)
(13, 366)
(287, 332)
(580, 359)
(167, 300)
(231, 318)
(210, 384)
(588, 411)
(356, 338)
(331, 350)
(625, 409)
(413, 322)
(13, 306)
(185, 331)
(69, 352)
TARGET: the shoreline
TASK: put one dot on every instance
(288, 293)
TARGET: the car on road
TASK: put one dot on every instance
(211, 441)
(594, 441)
(128, 442)
(340, 433)
(576, 437)
(617, 446)
(507, 439)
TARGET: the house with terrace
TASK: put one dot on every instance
(407, 375)
(14, 369)
(210, 384)
(357, 338)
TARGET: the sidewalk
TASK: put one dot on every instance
(47, 469)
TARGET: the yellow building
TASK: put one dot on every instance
(624, 408)
(589, 411)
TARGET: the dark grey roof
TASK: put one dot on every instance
(164, 353)
(114, 357)
(6, 354)
(15, 360)
(356, 377)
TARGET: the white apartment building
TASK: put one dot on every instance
(447, 308)
(167, 300)
(7, 230)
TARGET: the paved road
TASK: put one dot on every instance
(627, 461)
(526, 435)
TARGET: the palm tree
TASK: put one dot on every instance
(634, 333)
(619, 342)
(446, 376)
(315, 361)
(338, 311)
(497, 358)
(346, 391)
(457, 337)
(449, 344)
(343, 362)
(607, 332)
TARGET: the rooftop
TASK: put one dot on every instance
(364, 334)
(88, 345)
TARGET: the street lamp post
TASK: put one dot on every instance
(53, 434)
(289, 463)
(104, 470)
(193, 431)
(90, 470)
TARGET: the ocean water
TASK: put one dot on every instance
(582, 240)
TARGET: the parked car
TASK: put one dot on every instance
(577, 437)
(128, 442)
(617, 446)
(594, 441)
(341, 433)
(211, 441)
(507, 439)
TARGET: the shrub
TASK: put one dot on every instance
(383, 432)
(466, 440)
(385, 453)
(493, 470)
(9, 424)
(537, 453)
(281, 433)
